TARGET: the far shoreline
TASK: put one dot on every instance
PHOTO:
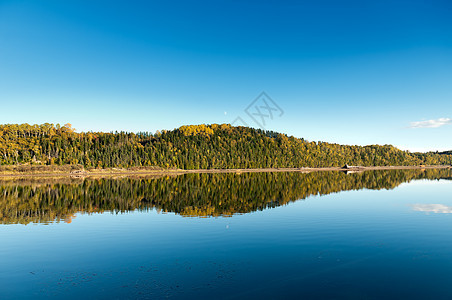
(168, 172)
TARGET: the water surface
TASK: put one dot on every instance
(324, 235)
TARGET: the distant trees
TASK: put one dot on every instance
(191, 147)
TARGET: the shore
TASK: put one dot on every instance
(63, 171)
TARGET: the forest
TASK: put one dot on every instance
(192, 147)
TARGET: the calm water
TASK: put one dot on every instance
(328, 235)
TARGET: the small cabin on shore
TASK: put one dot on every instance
(350, 167)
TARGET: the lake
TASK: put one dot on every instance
(320, 235)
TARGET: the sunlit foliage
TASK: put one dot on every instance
(191, 147)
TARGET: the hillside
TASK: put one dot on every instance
(191, 147)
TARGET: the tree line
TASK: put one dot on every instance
(192, 147)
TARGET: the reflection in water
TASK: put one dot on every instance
(434, 208)
(200, 195)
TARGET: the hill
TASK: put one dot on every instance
(191, 147)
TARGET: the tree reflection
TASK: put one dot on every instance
(194, 195)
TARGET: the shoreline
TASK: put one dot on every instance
(164, 172)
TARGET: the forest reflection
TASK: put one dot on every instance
(24, 201)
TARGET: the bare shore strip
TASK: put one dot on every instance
(78, 171)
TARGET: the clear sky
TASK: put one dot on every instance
(352, 72)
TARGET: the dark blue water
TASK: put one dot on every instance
(355, 244)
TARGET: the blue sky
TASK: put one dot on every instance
(352, 72)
